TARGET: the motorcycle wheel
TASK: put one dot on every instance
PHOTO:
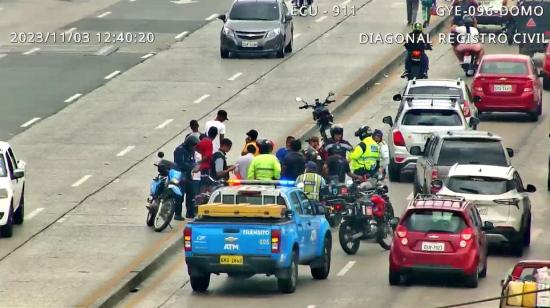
(345, 234)
(385, 232)
(164, 214)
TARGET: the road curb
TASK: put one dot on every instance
(148, 267)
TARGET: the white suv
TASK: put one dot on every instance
(500, 198)
(12, 190)
(416, 120)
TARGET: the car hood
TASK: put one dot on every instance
(252, 25)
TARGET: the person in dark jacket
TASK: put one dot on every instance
(184, 158)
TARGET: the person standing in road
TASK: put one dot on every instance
(251, 139)
(265, 166)
(412, 11)
(294, 162)
(220, 169)
(312, 181)
(282, 151)
(184, 158)
(218, 123)
(244, 162)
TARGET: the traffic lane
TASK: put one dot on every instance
(38, 85)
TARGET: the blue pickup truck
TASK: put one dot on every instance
(253, 227)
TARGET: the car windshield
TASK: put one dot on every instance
(430, 117)
(472, 151)
(504, 67)
(479, 185)
(3, 169)
(435, 221)
(435, 90)
(249, 10)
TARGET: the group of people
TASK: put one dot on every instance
(203, 155)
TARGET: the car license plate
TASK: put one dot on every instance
(503, 88)
(482, 210)
(250, 44)
(231, 260)
(430, 246)
(467, 59)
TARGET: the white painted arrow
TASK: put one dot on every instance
(183, 1)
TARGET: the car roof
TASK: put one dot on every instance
(456, 83)
(506, 57)
(482, 170)
(439, 202)
(463, 134)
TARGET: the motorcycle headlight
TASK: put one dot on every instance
(3, 193)
(273, 33)
(228, 32)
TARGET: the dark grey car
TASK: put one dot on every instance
(257, 26)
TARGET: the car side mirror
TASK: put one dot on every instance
(416, 151)
(488, 226)
(530, 188)
(510, 152)
(473, 122)
(222, 17)
(160, 154)
(397, 97)
(387, 120)
(394, 222)
(477, 99)
(18, 173)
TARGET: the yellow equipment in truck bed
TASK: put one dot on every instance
(242, 210)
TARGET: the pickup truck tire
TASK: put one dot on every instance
(288, 283)
(200, 283)
(322, 272)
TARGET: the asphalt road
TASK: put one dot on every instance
(361, 280)
(40, 79)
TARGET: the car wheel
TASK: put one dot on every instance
(394, 278)
(7, 229)
(322, 272)
(473, 280)
(394, 171)
(200, 283)
(289, 282)
(546, 82)
(224, 53)
(288, 48)
(19, 214)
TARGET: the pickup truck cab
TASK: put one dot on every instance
(257, 227)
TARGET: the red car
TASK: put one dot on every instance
(546, 69)
(523, 271)
(508, 83)
(440, 234)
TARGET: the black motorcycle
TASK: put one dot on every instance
(416, 67)
(321, 114)
(364, 219)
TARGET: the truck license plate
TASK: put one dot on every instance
(429, 246)
(231, 260)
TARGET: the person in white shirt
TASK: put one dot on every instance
(467, 39)
(218, 123)
(244, 162)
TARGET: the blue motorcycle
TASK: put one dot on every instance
(165, 192)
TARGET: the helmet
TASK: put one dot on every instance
(468, 20)
(417, 27)
(336, 130)
(363, 132)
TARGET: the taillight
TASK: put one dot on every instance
(416, 53)
(398, 139)
(467, 234)
(187, 239)
(275, 241)
(435, 174)
(528, 86)
(466, 109)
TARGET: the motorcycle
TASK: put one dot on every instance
(321, 114)
(364, 219)
(165, 192)
(416, 66)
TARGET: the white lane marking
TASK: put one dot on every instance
(82, 180)
(211, 17)
(30, 122)
(297, 35)
(125, 151)
(235, 76)
(103, 14)
(70, 30)
(321, 18)
(200, 99)
(536, 233)
(163, 124)
(149, 55)
(113, 74)
(31, 51)
(181, 35)
(73, 98)
(34, 213)
(345, 2)
(346, 268)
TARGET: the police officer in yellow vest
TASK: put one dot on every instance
(365, 158)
